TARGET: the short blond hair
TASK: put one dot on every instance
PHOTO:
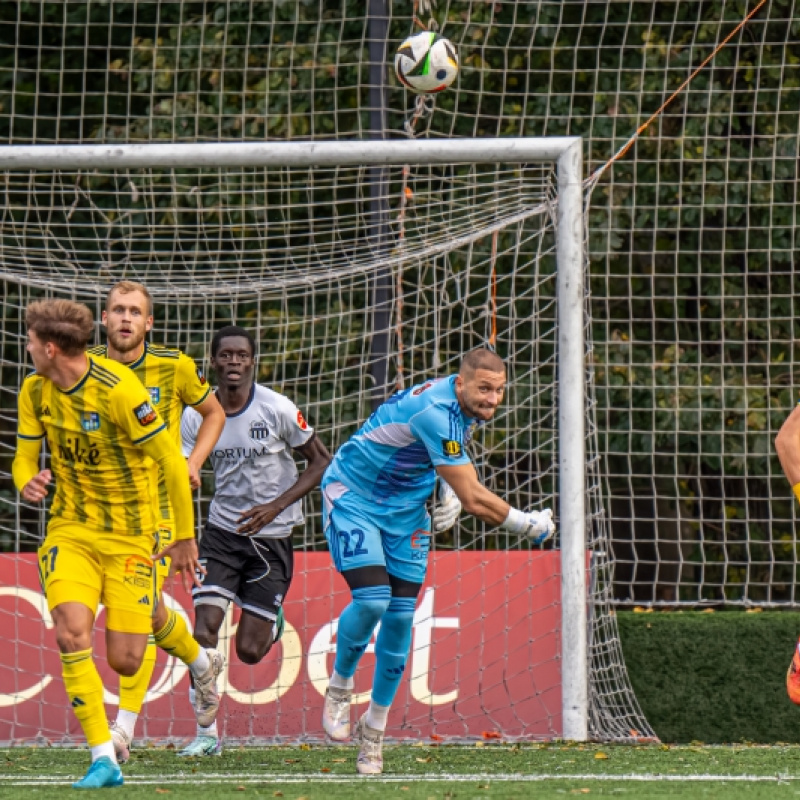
(66, 324)
(126, 287)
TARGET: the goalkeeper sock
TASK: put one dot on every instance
(377, 716)
(356, 625)
(391, 649)
(133, 688)
(85, 692)
(176, 639)
(340, 682)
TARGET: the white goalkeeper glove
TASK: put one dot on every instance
(538, 526)
(448, 508)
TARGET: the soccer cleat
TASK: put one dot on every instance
(206, 696)
(336, 713)
(280, 624)
(370, 756)
(793, 677)
(122, 742)
(102, 774)
(202, 746)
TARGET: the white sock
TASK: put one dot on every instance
(211, 730)
(127, 721)
(338, 682)
(200, 664)
(105, 749)
(377, 716)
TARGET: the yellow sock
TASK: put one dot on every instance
(132, 690)
(176, 639)
(85, 692)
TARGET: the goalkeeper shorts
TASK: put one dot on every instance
(362, 534)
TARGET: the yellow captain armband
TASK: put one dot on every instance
(796, 490)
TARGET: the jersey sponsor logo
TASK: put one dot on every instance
(155, 394)
(45, 411)
(201, 377)
(259, 430)
(90, 421)
(419, 390)
(301, 421)
(451, 448)
(238, 453)
(73, 451)
(420, 544)
(145, 413)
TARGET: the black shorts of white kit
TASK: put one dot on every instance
(253, 573)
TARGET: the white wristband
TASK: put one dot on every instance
(517, 521)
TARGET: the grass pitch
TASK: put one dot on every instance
(426, 771)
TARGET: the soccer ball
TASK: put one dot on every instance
(426, 62)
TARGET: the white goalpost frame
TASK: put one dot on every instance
(566, 153)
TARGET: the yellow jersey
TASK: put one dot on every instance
(103, 435)
(174, 382)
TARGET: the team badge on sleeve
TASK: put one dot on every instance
(301, 421)
(451, 448)
(201, 377)
(145, 413)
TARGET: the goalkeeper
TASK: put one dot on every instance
(378, 530)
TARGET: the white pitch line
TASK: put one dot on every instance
(290, 778)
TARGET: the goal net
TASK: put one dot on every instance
(357, 279)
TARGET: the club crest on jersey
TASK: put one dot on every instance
(145, 413)
(301, 421)
(259, 430)
(451, 448)
(90, 421)
(155, 394)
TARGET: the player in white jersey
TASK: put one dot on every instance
(246, 547)
(378, 530)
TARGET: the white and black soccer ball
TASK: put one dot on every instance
(426, 62)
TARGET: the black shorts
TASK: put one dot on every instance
(253, 573)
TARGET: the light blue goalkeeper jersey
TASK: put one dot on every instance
(390, 460)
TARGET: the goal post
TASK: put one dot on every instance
(487, 213)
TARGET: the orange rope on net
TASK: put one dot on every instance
(643, 127)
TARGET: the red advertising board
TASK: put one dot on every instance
(485, 658)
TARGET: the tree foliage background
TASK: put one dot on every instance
(692, 236)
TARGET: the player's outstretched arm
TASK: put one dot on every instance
(317, 459)
(207, 435)
(484, 504)
(787, 445)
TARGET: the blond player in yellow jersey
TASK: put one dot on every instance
(103, 435)
(173, 382)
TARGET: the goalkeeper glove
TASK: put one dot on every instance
(448, 508)
(536, 525)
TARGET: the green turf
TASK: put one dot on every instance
(428, 771)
